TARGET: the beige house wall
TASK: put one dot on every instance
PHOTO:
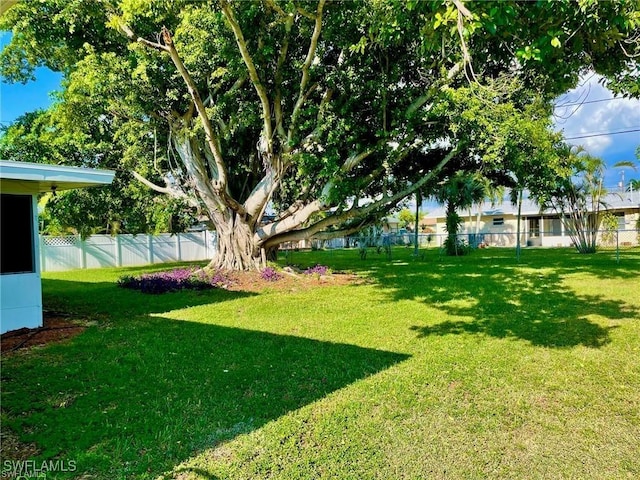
(550, 231)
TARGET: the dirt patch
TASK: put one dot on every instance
(56, 327)
(289, 281)
(12, 448)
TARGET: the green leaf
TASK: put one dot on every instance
(438, 21)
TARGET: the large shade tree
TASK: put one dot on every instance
(317, 108)
(125, 206)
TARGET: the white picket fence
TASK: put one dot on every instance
(71, 252)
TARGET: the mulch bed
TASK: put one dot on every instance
(288, 282)
(56, 327)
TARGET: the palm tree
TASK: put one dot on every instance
(579, 198)
(633, 185)
(627, 164)
(458, 192)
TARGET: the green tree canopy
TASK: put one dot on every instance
(407, 218)
(310, 106)
(126, 206)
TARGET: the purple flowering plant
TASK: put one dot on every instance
(317, 270)
(174, 280)
(270, 274)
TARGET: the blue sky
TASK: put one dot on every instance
(17, 99)
(590, 111)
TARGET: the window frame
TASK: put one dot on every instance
(17, 243)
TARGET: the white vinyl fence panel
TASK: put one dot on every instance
(134, 249)
(71, 252)
(100, 251)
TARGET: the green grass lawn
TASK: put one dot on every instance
(474, 367)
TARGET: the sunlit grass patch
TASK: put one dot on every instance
(473, 367)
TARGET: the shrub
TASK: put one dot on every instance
(174, 280)
(609, 227)
(456, 247)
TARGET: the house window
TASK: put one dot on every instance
(534, 227)
(621, 223)
(16, 234)
(498, 221)
(556, 227)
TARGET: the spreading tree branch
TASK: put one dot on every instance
(311, 53)
(210, 133)
(463, 13)
(143, 41)
(261, 194)
(275, 7)
(253, 73)
(277, 104)
(283, 231)
(173, 192)
(304, 13)
(355, 160)
(168, 47)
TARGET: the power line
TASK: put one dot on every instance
(590, 135)
(589, 101)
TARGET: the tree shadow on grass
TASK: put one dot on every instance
(601, 265)
(134, 402)
(489, 294)
(108, 299)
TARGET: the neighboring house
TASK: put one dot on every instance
(392, 223)
(304, 244)
(20, 283)
(428, 225)
(496, 225)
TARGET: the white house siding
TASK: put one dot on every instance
(21, 293)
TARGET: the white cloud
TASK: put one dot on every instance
(578, 119)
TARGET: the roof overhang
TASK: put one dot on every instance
(24, 177)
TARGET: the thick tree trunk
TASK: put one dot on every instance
(237, 249)
(271, 253)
